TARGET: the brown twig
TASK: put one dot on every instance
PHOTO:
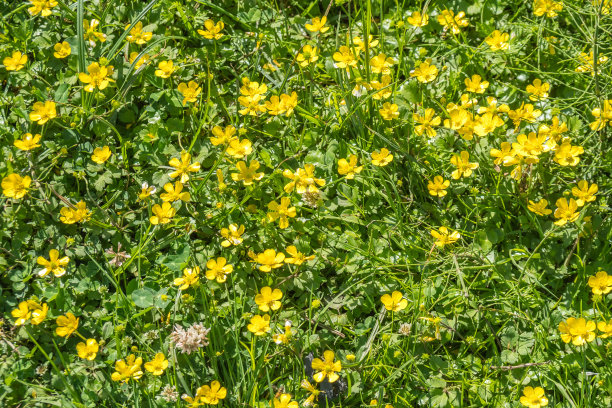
(514, 367)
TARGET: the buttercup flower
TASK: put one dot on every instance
(578, 331)
(165, 69)
(603, 116)
(281, 212)
(584, 193)
(91, 34)
(548, 7)
(247, 174)
(394, 302)
(183, 167)
(326, 368)
(22, 314)
(600, 283)
(101, 154)
(418, 20)
(381, 158)
(127, 369)
(232, 235)
(296, 257)
(213, 31)
(426, 122)
(308, 55)
(284, 401)
(268, 299)
(317, 25)
(162, 213)
(449, 20)
(61, 50)
(303, 180)
(259, 325)
(425, 72)
(606, 328)
(464, 167)
(237, 148)
(444, 236)
(28, 142)
(269, 260)
(15, 62)
(43, 112)
(69, 215)
(218, 269)
(566, 211)
(498, 41)
(476, 84)
(54, 265)
(158, 365)
(88, 350)
(438, 186)
(138, 36)
(348, 168)
(538, 90)
(191, 277)
(190, 91)
(534, 397)
(42, 6)
(389, 111)
(539, 207)
(174, 192)
(15, 186)
(66, 325)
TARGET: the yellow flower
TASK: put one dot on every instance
(165, 69)
(15, 62)
(326, 367)
(101, 154)
(146, 191)
(448, 19)
(88, 350)
(487, 123)
(259, 325)
(498, 41)
(39, 314)
(218, 269)
(183, 167)
(239, 148)
(394, 302)
(281, 212)
(444, 236)
(584, 193)
(566, 212)
(222, 136)
(163, 213)
(213, 31)
(529, 146)
(189, 91)
(61, 50)
(130, 368)
(464, 167)
(381, 158)
(232, 235)
(534, 397)
(587, 62)
(424, 72)
(79, 213)
(42, 6)
(144, 59)
(296, 257)
(438, 186)
(606, 328)
(268, 299)
(348, 168)
(360, 45)
(54, 265)
(269, 260)
(600, 283)
(285, 402)
(175, 192)
(538, 90)
(389, 111)
(43, 112)
(138, 36)
(317, 24)
(344, 58)
(97, 77)
(191, 277)
(548, 7)
(285, 104)
(66, 325)
(247, 174)
(308, 55)
(157, 365)
(426, 122)
(15, 186)
(28, 142)
(22, 314)
(567, 155)
(578, 331)
(476, 84)
(381, 64)
(603, 116)
(90, 34)
(417, 19)
(539, 207)
(314, 393)
(303, 180)
(212, 394)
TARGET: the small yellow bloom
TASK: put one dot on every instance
(28, 142)
(448, 19)
(232, 235)
(438, 186)
(162, 213)
(444, 236)
(88, 350)
(15, 186)
(568, 155)
(101, 154)
(426, 122)
(175, 192)
(464, 167)
(54, 265)
(566, 211)
(138, 36)
(90, 34)
(158, 365)
(548, 7)
(417, 19)
(326, 368)
(296, 257)
(247, 174)
(259, 325)
(539, 207)
(213, 31)
(183, 167)
(268, 299)
(61, 50)
(189, 91)
(425, 72)
(348, 168)
(578, 331)
(79, 213)
(534, 397)
(191, 277)
(538, 90)
(281, 212)
(218, 269)
(66, 325)
(127, 369)
(606, 328)
(165, 69)
(42, 6)
(389, 111)
(43, 112)
(97, 77)
(345, 58)
(222, 136)
(394, 301)
(317, 25)
(476, 84)
(15, 62)
(308, 55)
(303, 180)
(22, 314)
(603, 117)
(498, 41)
(381, 158)
(39, 313)
(584, 193)
(269, 260)
(600, 283)
(237, 148)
